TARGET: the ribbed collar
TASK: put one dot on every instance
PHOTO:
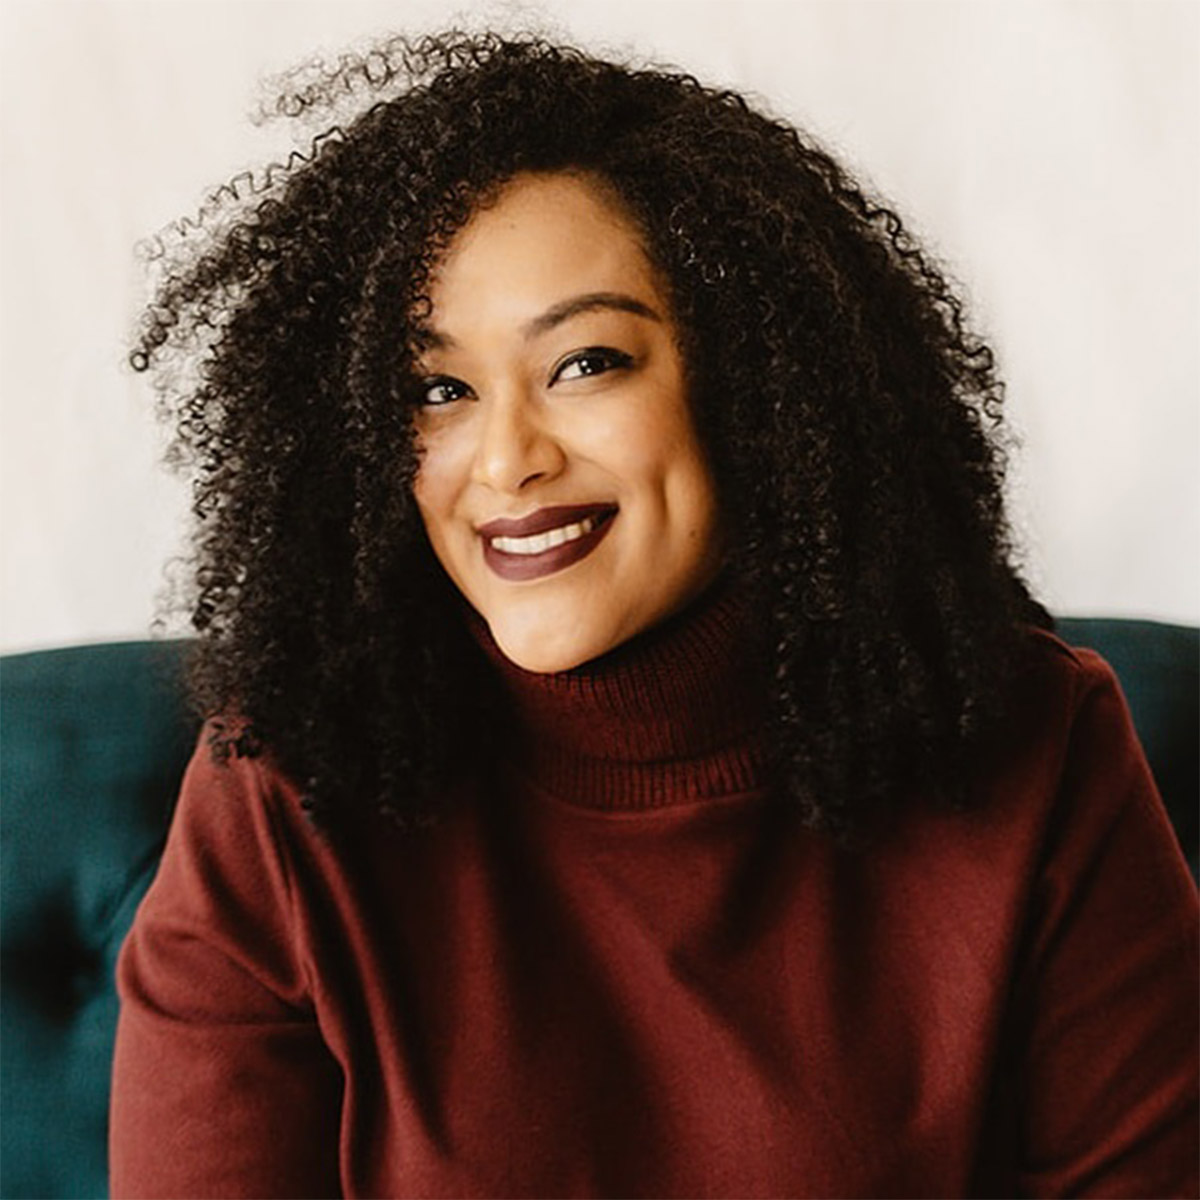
(672, 716)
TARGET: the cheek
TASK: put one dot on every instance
(646, 441)
(688, 490)
(435, 488)
(694, 508)
(436, 493)
(666, 456)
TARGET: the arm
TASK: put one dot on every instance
(222, 1083)
(1105, 1007)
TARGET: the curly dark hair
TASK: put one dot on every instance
(852, 418)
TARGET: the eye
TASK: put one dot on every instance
(595, 360)
(441, 389)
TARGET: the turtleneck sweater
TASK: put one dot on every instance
(672, 716)
(618, 968)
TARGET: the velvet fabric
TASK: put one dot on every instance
(95, 739)
(93, 742)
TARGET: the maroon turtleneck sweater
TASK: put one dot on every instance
(616, 971)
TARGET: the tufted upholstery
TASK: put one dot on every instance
(94, 739)
(94, 742)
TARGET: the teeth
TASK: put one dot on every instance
(539, 543)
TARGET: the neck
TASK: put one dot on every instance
(674, 715)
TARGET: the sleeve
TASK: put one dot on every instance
(1106, 1005)
(222, 1083)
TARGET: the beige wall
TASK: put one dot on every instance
(1048, 150)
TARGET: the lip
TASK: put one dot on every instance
(519, 567)
(542, 519)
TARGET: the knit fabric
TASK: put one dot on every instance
(619, 969)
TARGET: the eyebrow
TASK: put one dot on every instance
(566, 309)
(556, 314)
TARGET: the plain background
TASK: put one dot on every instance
(1048, 152)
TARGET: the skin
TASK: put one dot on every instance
(517, 417)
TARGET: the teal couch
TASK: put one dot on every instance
(93, 740)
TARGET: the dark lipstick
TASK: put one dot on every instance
(517, 567)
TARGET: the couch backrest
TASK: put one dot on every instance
(93, 741)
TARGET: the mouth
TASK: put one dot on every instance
(546, 541)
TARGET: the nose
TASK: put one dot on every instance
(515, 446)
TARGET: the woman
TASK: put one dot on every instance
(638, 767)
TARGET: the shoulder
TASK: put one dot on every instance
(1062, 699)
(223, 903)
(232, 774)
(243, 821)
(1068, 769)
(239, 823)
(1063, 765)
(1077, 670)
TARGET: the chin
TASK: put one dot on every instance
(531, 650)
(534, 654)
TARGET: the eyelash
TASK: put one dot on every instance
(434, 382)
(611, 360)
(608, 359)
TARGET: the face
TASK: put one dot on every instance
(562, 483)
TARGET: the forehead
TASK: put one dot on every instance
(541, 240)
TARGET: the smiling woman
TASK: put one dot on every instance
(633, 763)
(556, 429)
